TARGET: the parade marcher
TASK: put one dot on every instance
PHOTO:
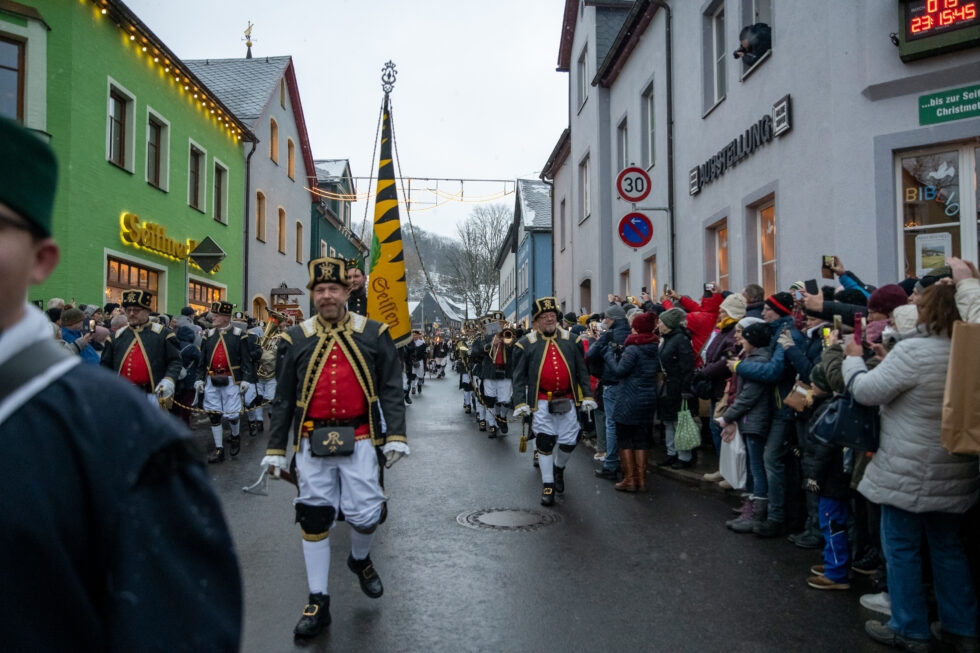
(112, 537)
(250, 396)
(407, 355)
(461, 355)
(226, 373)
(144, 353)
(498, 373)
(265, 369)
(478, 358)
(339, 373)
(550, 381)
(358, 290)
(418, 359)
(440, 354)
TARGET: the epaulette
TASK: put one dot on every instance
(357, 322)
(532, 337)
(564, 334)
(209, 332)
(156, 327)
(120, 330)
(235, 331)
(383, 326)
(309, 326)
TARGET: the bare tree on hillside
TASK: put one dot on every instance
(473, 265)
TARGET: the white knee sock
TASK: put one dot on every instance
(258, 414)
(234, 427)
(561, 458)
(217, 432)
(317, 555)
(467, 397)
(547, 466)
(360, 544)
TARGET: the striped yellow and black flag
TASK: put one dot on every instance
(388, 293)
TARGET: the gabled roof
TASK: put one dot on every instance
(534, 204)
(334, 171)
(607, 25)
(567, 34)
(248, 86)
(626, 41)
(558, 155)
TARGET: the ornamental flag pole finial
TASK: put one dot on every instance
(388, 75)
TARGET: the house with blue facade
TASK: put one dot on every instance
(532, 231)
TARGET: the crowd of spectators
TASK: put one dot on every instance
(762, 371)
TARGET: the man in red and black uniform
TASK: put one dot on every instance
(338, 372)
(144, 353)
(226, 373)
(550, 381)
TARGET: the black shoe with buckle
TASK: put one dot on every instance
(316, 616)
(466, 409)
(253, 429)
(493, 432)
(536, 464)
(483, 425)
(408, 400)
(368, 577)
(548, 494)
(217, 456)
(234, 445)
(559, 479)
(503, 426)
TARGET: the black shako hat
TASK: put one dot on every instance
(328, 270)
(543, 305)
(222, 308)
(138, 298)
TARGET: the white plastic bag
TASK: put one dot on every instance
(733, 462)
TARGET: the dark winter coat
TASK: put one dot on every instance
(806, 354)
(752, 407)
(755, 310)
(825, 464)
(777, 370)
(617, 333)
(677, 364)
(636, 401)
(715, 368)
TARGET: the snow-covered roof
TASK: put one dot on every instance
(534, 201)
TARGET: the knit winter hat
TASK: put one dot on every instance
(887, 298)
(645, 323)
(673, 318)
(570, 318)
(616, 312)
(757, 335)
(90, 309)
(781, 302)
(746, 322)
(908, 285)
(71, 316)
(734, 305)
(932, 276)
(852, 296)
(818, 375)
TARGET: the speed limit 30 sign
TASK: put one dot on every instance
(633, 184)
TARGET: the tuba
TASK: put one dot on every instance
(269, 343)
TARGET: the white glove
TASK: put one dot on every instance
(244, 386)
(165, 389)
(522, 411)
(199, 386)
(392, 457)
(589, 405)
(277, 463)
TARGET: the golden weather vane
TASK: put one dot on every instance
(248, 39)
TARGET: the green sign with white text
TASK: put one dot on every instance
(954, 104)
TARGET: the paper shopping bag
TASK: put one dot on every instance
(961, 401)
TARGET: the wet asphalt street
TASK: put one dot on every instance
(655, 572)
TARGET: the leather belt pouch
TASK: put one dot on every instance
(559, 406)
(500, 374)
(332, 441)
(219, 381)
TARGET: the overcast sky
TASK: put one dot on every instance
(477, 94)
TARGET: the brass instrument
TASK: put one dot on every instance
(509, 336)
(269, 343)
(272, 326)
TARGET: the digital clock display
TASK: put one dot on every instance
(930, 17)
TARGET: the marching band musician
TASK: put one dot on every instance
(143, 352)
(497, 373)
(265, 369)
(478, 355)
(226, 374)
(550, 381)
(440, 354)
(358, 291)
(461, 354)
(338, 372)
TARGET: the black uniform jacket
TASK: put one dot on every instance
(108, 512)
(160, 347)
(237, 348)
(529, 356)
(488, 367)
(301, 358)
(478, 357)
(357, 302)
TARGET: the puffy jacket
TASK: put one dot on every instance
(968, 299)
(636, 401)
(775, 371)
(677, 364)
(715, 368)
(751, 409)
(701, 320)
(911, 470)
(804, 355)
(618, 332)
(827, 464)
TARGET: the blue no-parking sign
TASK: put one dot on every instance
(635, 229)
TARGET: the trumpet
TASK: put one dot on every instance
(509, 336)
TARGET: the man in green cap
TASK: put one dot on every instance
(92, 520)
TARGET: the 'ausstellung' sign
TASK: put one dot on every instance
(762, 132)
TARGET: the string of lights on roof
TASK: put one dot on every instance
(441, 195)
(145, 43)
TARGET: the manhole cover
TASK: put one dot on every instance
(507, 519)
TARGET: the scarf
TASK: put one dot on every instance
(641, 339)
(725, 322)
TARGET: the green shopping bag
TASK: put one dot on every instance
(687, 436)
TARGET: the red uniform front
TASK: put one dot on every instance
(338, 394)
(219, 360)
(134, 367)
(499, 359)
(555, 377)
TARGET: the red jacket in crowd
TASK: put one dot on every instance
(701, 320)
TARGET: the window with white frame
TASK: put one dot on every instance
(299, 241)
(197, 174)
(120, 127)
(719, 234)
(650, 265)
(323, 248)
(766, 225)
(622, 145)
(157, 150)
(714, 54)
(220, 194)
(561, 223)
(282, 230)
(647, 126)
(624, 283)
(584, 192)
(333, 252)
(24, 67)
(12, 75)
(260, 216)
(755, 37)
(582, 70)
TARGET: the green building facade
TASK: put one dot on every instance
(150, 161)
